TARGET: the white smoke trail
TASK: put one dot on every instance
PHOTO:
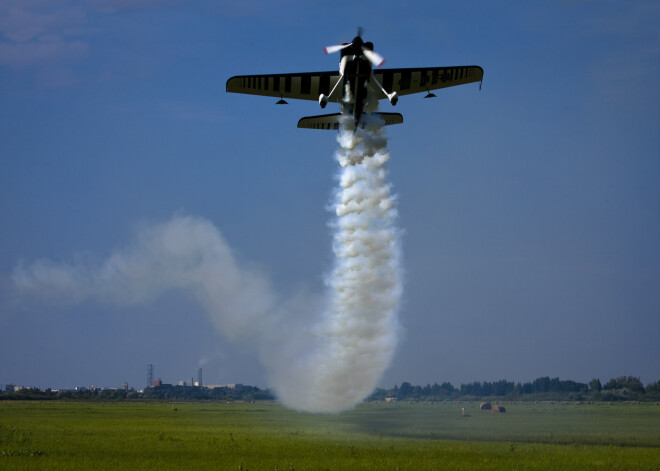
(324, 366)
(186, 253)
(357, 336)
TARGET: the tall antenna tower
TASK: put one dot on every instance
(199, 377)
(150, 375)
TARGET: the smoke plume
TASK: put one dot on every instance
(323, 353)
(357, 335)
(187, 253)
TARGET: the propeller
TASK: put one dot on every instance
(333, 49)
(375, 58)
(367, 49)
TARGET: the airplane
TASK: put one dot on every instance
(351, 86)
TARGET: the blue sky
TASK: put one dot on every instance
(530, 209)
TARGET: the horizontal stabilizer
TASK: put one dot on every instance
(331, 121)
(390, 118)
(324, 121)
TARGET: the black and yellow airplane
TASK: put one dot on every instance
(351, 85)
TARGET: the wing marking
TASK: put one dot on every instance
(309, 85)
(418, 80)
(301, 86)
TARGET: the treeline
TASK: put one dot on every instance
(164, 392)
(623, 388)
(194, 393)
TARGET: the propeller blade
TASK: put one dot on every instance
(333, 49)
(375, 58)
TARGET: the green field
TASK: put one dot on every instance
(263, 436)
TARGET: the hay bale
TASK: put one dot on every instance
(484, 406)
(498, 409)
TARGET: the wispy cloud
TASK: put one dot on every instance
(40, 33)
(115, 6)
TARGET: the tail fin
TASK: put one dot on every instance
(331, 121)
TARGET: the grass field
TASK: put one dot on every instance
(262, 436)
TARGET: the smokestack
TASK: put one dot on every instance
(150, 375)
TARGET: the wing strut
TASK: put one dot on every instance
(393, 97)
(323, 100)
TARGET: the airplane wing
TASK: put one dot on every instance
(301, 86)
(309, 85)
(417, 80)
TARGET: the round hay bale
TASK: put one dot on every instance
(484, 406)
(498, 409)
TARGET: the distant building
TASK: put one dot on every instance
(235, 387)
(183, 383)
(9, 387)
(159, 384)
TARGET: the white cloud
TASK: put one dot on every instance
(40, 33)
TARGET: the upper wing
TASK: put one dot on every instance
(302, 86)
(407, 81)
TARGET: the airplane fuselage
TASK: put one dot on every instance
(355, 69)
(357, 73)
